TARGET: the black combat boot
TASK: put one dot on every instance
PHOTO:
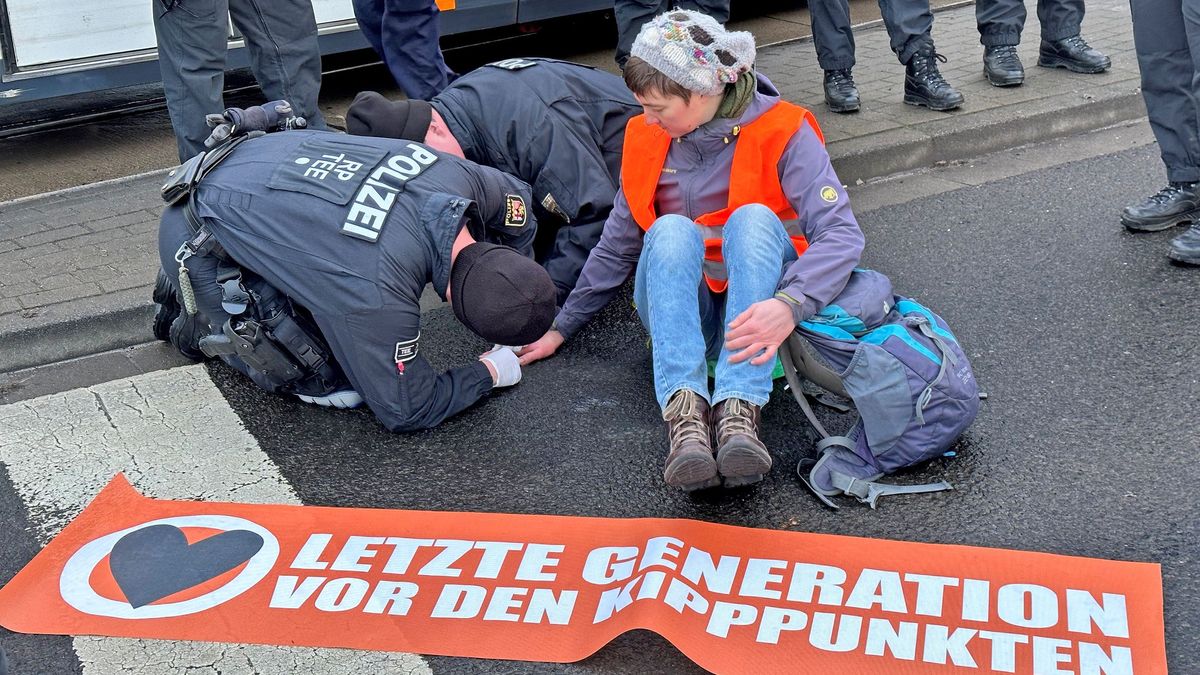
(690, 464)
(1074, 54)
(168, 306)
(841, 95)
(924, 84)
(1186, 247)
(1175, 204)
(742, 459)
(1002, 66)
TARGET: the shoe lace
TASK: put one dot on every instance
(736, 418)
(926, 66)
(1005, 53)
(1168, 193)
(838, 78)
(1077, 42)
(687, 422)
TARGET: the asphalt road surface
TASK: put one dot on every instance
(1083, 335)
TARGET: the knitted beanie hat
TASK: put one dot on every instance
(694, 50)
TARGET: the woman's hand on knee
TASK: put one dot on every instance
(543, 347)
(758, 331)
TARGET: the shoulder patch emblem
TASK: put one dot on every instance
(407, 350)
(514, 211)
(829, 194)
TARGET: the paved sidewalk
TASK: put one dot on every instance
(77, 266)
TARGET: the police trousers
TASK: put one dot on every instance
(908, 23)
(1001, 21)
(193, 35)
(405, 35)
(1166, 36)
(631, 15)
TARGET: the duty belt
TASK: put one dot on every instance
(268, 339)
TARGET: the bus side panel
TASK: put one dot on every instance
(49, 31)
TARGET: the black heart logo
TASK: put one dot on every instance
(151, 563)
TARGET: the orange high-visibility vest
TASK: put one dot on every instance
(753, 177)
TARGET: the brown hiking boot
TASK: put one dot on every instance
(690, 466)
(742, 459)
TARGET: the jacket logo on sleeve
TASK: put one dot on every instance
(377, 195)
(514, 211)
(829, 194)
(407, 350)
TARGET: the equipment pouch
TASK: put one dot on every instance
(182, 179)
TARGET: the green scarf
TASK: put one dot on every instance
(738, 96)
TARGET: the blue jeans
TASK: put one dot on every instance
(687, 321)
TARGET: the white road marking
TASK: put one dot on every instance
(175, 437)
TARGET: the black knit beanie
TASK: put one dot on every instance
(373, 115)
(501, 295)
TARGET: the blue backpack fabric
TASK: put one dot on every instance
(907, 375)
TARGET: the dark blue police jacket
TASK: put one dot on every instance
(352, 228)
(558, 126)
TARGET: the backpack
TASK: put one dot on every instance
(906, 374)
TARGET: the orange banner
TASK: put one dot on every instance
(445, 5)
(551, 588)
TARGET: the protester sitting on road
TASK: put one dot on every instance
(307, 254)
(909, 24)
(1166, 36)
(723, 186)
(1001, 22)
(555, 125)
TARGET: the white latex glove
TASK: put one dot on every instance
(505, 363)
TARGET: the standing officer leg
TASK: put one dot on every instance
(1062, 46)
(1166, 36)
(192, 39)
(281, 38)
(1000, 24)
(717, 9)
(909, 25)
(631, 15)
(411, 48)
(369, 16)
(833, 39)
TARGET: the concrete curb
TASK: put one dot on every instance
(965, 136)
(79, 328)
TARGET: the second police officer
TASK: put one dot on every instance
(556, 125)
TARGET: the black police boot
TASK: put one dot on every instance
(1074, 54)
(185, 333)
(924, 84)
(1176, 203)
(1186, 247)
(168, 306)
(1002, 66)
(841, 95)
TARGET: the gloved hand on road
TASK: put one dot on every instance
(503, 364)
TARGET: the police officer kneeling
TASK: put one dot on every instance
(306, 254)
